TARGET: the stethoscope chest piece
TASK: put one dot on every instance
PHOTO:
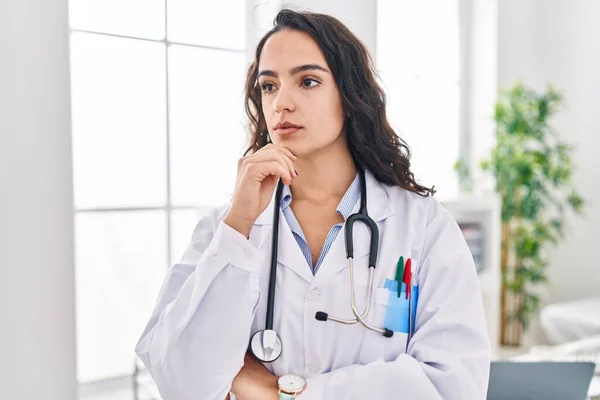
(266, 345)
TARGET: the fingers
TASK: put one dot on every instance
(260, 170)
(288, 152)
(271, 153)
(289, 163)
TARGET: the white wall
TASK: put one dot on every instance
(37, 304)
(558, 41)
(570, 59)
(518, 41)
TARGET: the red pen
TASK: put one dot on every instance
(407, 277)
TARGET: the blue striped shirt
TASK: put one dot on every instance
(344, 209)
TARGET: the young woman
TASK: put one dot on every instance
(320, 151)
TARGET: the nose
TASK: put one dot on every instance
(284, 100)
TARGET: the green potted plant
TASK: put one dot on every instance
(532, 169)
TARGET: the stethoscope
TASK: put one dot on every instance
(266, 344)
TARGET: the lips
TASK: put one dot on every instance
(286, 128)
(286, 131)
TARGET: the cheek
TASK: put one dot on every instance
(330, 112)
(266, 105)
(267, 109)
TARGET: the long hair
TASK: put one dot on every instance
(372, 142)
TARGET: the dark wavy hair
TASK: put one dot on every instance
(372, 142)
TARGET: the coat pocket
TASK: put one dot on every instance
(398, 306)
(392, 312)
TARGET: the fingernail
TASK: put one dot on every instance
(296, 172)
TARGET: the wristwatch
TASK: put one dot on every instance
(290, 385)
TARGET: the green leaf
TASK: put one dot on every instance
(533, 170)
(576, 202)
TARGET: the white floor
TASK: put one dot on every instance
(123, 394)
(121, 388)
(113, 389)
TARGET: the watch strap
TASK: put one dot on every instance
(286, 396)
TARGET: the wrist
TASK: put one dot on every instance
(273, 393)
(271, 389)
(241, 227)
(274, 388)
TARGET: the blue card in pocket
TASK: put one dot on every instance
(396, 314)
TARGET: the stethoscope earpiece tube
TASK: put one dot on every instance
(266, 344)
(275, 242)
(374, 230)
(363, 216)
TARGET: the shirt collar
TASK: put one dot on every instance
(379, 204)
(345, 206)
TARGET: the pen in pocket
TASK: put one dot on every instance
(410, 313)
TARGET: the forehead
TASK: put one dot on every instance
(288, 48)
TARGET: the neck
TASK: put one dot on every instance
(324, 176)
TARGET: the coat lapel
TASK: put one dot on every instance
(289, 253)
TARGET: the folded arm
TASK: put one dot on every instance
(197, 336)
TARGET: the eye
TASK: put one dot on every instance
(306, 82)
(267, 87)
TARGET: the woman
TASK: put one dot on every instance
(318, 120)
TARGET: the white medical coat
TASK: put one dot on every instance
(215, 299)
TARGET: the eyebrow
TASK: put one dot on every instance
(294, 71)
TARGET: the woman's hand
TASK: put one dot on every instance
(256, 179)
(254, 381)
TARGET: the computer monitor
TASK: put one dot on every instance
(547, 380)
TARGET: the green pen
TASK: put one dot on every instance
(400, 274)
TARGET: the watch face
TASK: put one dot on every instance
(291, 383)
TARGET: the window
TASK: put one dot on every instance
(418, 61)
(157, 87)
